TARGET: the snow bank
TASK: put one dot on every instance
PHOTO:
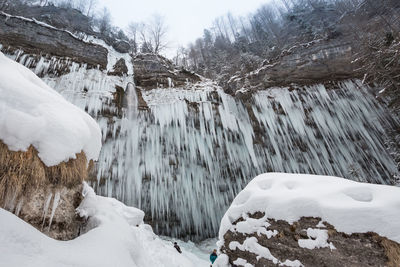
(351, 207)
(31, 113)
(116, 236)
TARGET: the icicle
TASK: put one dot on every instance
(170, 83)
(131, 96)
(19, 207)
(46, 208)
(56, 201)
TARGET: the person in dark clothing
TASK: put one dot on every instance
(213, 256)
(177, 247)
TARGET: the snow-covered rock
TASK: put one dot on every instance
(154, 71)
(290, 219)
(115, 236)
(32, 113)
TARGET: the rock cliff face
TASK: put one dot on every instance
(152, 71)
(62, 18)
(35, 38)
(367, 249)
(45, 197)
(69, 19)
(119, 69)
(315, 62)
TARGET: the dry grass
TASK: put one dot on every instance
(22, 172)
(392, 251)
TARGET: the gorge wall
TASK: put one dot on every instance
(182, 153)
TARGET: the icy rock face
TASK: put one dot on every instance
(119, 69)
(33, 37)
(62, 18)
(45, 197)
(51, 209)
(122, 46)
(184, 157)
(152, 71)
(307, 63)
(195, 147)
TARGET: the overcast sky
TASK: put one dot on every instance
(186, 19)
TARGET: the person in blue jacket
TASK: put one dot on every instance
(213, 256)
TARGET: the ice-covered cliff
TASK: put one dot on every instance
(182, 153)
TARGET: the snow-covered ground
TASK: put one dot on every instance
(351, 207)
(32, 113)
(200, 250)
(117, 236)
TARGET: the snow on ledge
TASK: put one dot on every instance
(112, 57)
(43, 24)
(351, 207)
(32, 113)
(317, 238)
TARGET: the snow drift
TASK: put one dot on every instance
(31, 113)
(115, 236)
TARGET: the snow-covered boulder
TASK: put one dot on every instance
(46, 148)
(32, 113)
(115, 235)
(309, 220)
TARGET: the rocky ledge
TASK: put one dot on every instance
(303, 64)
(152, 71)
(34, 37)
(290, 242)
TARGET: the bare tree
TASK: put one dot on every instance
(4, 4)
(244, 29)
(180, 58)
(217, 25)
(145, 43)
(91, 6)
(158, 32)
(66, 4)
(286, 4)
(232, 25)
(105, 21)
(16, 4)
(81, 5)
(133, 29)
(43, 2)
(152, 35)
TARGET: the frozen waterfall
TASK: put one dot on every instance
(184, 159)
